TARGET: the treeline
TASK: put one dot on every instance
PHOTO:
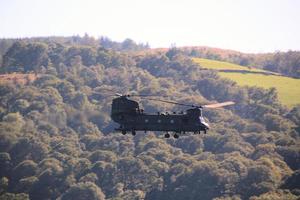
(36, 57)
(286, 63)
(86, 40)
(57, 139)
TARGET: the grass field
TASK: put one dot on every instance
(220, 65)
(288, 88)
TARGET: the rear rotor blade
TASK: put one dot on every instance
(173, 102)
(219, 105)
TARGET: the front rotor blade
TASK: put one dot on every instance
(104, 94)
(146, 95)
(118, 94)
(219, 105)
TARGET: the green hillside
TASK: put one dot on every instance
(287, 88)
(57, 138)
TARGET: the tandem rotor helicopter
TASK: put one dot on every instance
(131, 118)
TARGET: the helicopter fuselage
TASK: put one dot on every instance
(161, 122)
(127, 113)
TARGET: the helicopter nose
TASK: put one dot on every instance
(204, 123)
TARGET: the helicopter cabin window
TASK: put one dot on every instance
(193, 112)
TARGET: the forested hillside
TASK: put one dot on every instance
(57, 139)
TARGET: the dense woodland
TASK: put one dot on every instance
(57, 139)
(286, 63)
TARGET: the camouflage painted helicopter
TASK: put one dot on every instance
(130, 117)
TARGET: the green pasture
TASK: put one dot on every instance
(288, 88)
(220, 65)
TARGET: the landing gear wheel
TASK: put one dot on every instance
(133, 132)
(123, 132)
(176, 136)
(167, 135)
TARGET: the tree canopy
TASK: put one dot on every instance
(57, 139)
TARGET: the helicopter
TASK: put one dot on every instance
(127, 113)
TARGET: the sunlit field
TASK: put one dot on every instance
(220, 65)
(287, 88)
